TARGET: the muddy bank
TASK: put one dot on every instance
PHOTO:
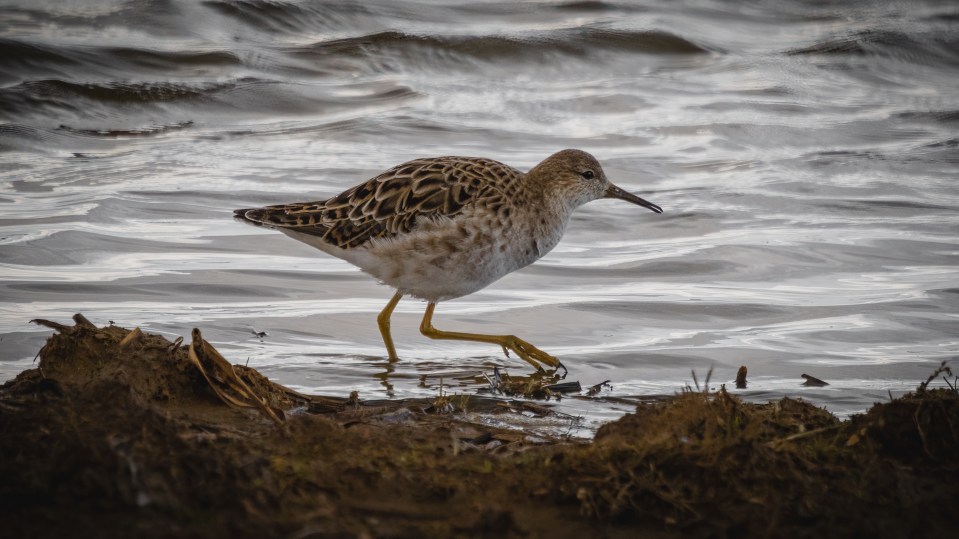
(114, 435)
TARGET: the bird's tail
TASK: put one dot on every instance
(253, 216)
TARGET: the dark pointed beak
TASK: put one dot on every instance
(615, 192)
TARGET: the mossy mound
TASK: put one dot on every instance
(114, 435)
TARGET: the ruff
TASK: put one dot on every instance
(444, 227)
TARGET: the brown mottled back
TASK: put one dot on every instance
(392, 202)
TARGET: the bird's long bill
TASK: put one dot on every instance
(615, 192)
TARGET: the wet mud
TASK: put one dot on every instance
(120, 433)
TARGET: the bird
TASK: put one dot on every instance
(441, 228)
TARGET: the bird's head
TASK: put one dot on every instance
(577, 178)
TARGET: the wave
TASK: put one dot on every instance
(163, 60)
(25, 138)
(287, 17)
(137, 109)
(579, 41)
(126, 133)
(30, 60)
(17, 56)
(80, 143)
(24, 61)
(59, 99)
(934, 116)
(119, 92)
(394, 51)
(926, 49)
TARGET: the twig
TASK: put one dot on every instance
(222, 378)
(130, 338)
(83, 322)
(943, 368)
(741, 377)
(56, 326)
(800, 435)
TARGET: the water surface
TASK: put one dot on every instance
(806, 157)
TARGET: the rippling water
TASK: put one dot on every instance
(806, 157)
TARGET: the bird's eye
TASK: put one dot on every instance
(587, 174)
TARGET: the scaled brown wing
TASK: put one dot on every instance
(390, 203)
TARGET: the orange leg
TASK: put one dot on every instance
(529, 353)
(383, 320)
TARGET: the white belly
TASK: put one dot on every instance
(438, 261)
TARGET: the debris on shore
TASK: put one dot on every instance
(118, 433)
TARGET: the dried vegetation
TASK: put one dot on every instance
(122, 433)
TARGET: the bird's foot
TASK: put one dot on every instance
(529, 353)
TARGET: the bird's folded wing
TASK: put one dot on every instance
(388, 204)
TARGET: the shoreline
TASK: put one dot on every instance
(118, 432)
